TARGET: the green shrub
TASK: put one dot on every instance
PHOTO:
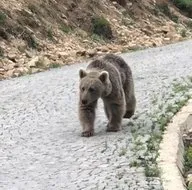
(33, 8)
(65, 28)
(134, 164)
(175, 18)
(50, 34)
(2, 18)
(54, 65)
(31, 42)
(188, 158)
(101, 27)
(152, 171)
(97, 38)
(183, 33)
(1, 52)
(164, 8)
(184, 5)
(189, 24)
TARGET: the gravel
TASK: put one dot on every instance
(40, 143)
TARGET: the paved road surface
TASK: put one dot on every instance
(40, 143)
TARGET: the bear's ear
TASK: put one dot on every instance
(82, 73)
(104, 76)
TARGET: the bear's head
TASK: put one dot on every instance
(93, 85)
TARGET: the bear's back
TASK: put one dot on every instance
(115, 60)
(115, 65)
(109, 61)
(97, 64)
(121, 65)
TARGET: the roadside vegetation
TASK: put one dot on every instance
(184, 5)
(165, 107)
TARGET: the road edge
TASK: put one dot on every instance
(171, 151)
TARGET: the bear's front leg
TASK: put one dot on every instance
(115, 112)
(87, 118)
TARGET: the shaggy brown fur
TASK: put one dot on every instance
(109, 78)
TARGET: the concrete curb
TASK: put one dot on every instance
(171, 150)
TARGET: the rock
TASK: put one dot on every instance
(123, 41)
(167, 28)
(29, 54)
(21, 61)
(189, 180)
(1, 64)
(114, 3)
(63, 55)
(134, 47)
(102, 49)
(129, 4)
(73, 5)
(190, 132)
(16, 65)
(10, 73)
(22, 47)
(4, 34)
(43, 62)
(12, 57)
(147, 31)
(99, 53)
(17, 73)
(187, 138)
(81, 53)
(22, 70)
(39, 62)
(2, 70)
(114, 20)
(63, 16)
(66, 22)
(33, 62)
(29, 30)
(92, 53)
(173, 36)
(6, 61)
(35, 70)
(166, 39)
(8, 67)
(86, 41)
(53, 57)
(70, 60)
(2, 76)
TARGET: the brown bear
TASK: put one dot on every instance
(109, 78)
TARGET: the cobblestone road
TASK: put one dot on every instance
(40, 143)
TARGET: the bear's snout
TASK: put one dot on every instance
(84, 102)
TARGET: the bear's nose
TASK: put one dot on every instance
(84, 102)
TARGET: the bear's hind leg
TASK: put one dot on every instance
(130, 102)
(130, 108)
(116, 113)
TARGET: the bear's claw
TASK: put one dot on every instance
(87, 134)
(128, 114)
(113, 129)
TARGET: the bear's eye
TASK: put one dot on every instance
(82, 88)
(91, 89)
